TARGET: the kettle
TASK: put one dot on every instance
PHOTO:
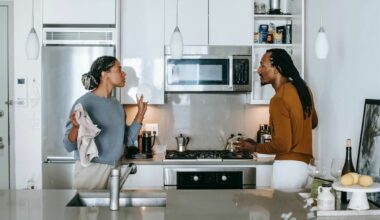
(232, 142)
(147, 142)
(274, 7)
(182, 142)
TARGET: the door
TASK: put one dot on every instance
(230, 22)
(192, 21)
(4, 111)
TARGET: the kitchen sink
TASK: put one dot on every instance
(135, 198)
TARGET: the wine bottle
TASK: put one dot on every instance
(347, 167)
(259, 133)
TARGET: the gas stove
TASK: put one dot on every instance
(206, 155)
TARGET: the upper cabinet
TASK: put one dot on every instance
(192, 21)
(210, 22)
(230, 22)
(79, 12)
(277, 28)
(142, 50)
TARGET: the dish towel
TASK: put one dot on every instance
(86, 136)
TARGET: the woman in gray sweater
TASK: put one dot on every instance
(108, 114)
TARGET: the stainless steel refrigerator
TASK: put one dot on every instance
(67, 53)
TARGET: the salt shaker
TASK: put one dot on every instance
(325, 199)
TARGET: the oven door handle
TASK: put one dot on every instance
(231, 69)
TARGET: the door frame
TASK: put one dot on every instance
(11, 109)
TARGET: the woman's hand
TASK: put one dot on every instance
(141, 109)
(73, 120)
(246, 144)
(73, 135)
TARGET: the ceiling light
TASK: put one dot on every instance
(32, 48)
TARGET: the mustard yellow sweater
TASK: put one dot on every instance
(291, 132)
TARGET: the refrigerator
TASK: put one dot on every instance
(67, 53)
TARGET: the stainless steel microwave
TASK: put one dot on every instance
(209, 69)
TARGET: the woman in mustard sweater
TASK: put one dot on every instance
(292, 118)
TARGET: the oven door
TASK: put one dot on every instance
(210, 177)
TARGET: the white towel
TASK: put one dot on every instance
(86, 136)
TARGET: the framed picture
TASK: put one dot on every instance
(368, 162)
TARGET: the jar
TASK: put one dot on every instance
(325, 199)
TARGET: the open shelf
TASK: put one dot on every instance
(268, 16)
(259, 102)
(272, 45)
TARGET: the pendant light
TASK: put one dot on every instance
(321, 43)
(32, 48)
(176, 41)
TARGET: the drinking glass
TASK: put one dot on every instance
(336, 168)
(317, 168)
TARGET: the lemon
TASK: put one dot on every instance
(347, 180)
(365, 180)
(355, 176)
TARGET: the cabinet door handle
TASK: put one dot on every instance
(1, 143)
(1, 113)
(9, 102)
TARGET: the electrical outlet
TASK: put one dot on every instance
(151, 127)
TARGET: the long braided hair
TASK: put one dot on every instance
(282, 61)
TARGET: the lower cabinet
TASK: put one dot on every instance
(264, 176)
(146, 177)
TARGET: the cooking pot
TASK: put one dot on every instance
(182, 142)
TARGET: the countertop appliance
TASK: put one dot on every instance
(208, 176)
(67, 53)
(209, 69)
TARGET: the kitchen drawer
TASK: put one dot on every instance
(146, 177)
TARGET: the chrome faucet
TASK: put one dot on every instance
(117, 183)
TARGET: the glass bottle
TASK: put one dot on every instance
(259, 133)
(347, 167)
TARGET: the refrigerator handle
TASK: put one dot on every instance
(59, 160)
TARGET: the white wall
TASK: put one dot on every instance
(27, 141)
(349, 75)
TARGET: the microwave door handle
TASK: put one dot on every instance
(231, 59)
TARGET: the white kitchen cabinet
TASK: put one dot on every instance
(295, 17)
(142, 50)
(79, 12)
(146, 177)
(192, 21)
(264, 175)
(230, 22)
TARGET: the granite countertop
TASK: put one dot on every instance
(180, 204)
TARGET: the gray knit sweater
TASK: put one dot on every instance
(109, 116)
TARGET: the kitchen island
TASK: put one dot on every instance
(180, 204)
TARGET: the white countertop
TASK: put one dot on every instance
(159, 160)
(180, 204)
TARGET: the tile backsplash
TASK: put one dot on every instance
(208, 119)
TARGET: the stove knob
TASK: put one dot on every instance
(224, 177)
(195, 178)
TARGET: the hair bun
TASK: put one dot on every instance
(89, 82)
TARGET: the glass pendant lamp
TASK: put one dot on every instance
(32, 48)
(176, 41)
(321, 43)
